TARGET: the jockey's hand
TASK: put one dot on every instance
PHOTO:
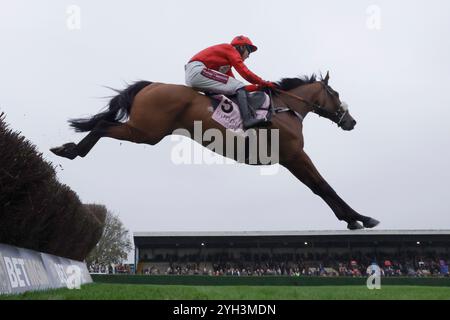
(252, 88)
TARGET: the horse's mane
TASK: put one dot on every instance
(292, 83)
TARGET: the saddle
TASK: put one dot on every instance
(226, 109)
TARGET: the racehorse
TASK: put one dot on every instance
(147, 112)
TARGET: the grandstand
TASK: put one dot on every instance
(316, 253)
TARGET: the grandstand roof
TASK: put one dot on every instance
(289, 233)
(289, 238)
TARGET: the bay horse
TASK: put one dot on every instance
(146, 112)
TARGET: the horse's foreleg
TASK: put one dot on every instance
(302, 167)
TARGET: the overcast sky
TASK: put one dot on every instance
(390, 60)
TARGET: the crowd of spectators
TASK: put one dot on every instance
(111, 269)
(305, 265)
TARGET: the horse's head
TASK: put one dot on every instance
(329, 105)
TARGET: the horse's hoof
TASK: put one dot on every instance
(371, 223)
(355, 225)
(68, 151)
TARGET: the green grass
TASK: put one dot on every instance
(100, 291)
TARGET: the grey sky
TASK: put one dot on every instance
(393, 166)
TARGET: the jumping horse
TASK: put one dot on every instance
(147, 112)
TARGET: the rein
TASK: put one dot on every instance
(316, 107)
(308, 103)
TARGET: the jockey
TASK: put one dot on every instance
(210, 71)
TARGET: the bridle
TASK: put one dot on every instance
(337, 116)
(342, 111)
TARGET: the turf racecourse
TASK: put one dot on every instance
(103, 291)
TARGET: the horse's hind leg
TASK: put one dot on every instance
(119, 131)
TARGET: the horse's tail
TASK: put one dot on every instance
(118, 108)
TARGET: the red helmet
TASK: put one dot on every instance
(244, 41)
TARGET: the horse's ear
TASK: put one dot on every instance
(327, 77)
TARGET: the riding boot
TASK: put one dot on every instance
(248, 117)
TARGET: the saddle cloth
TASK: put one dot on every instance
(226, 109)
